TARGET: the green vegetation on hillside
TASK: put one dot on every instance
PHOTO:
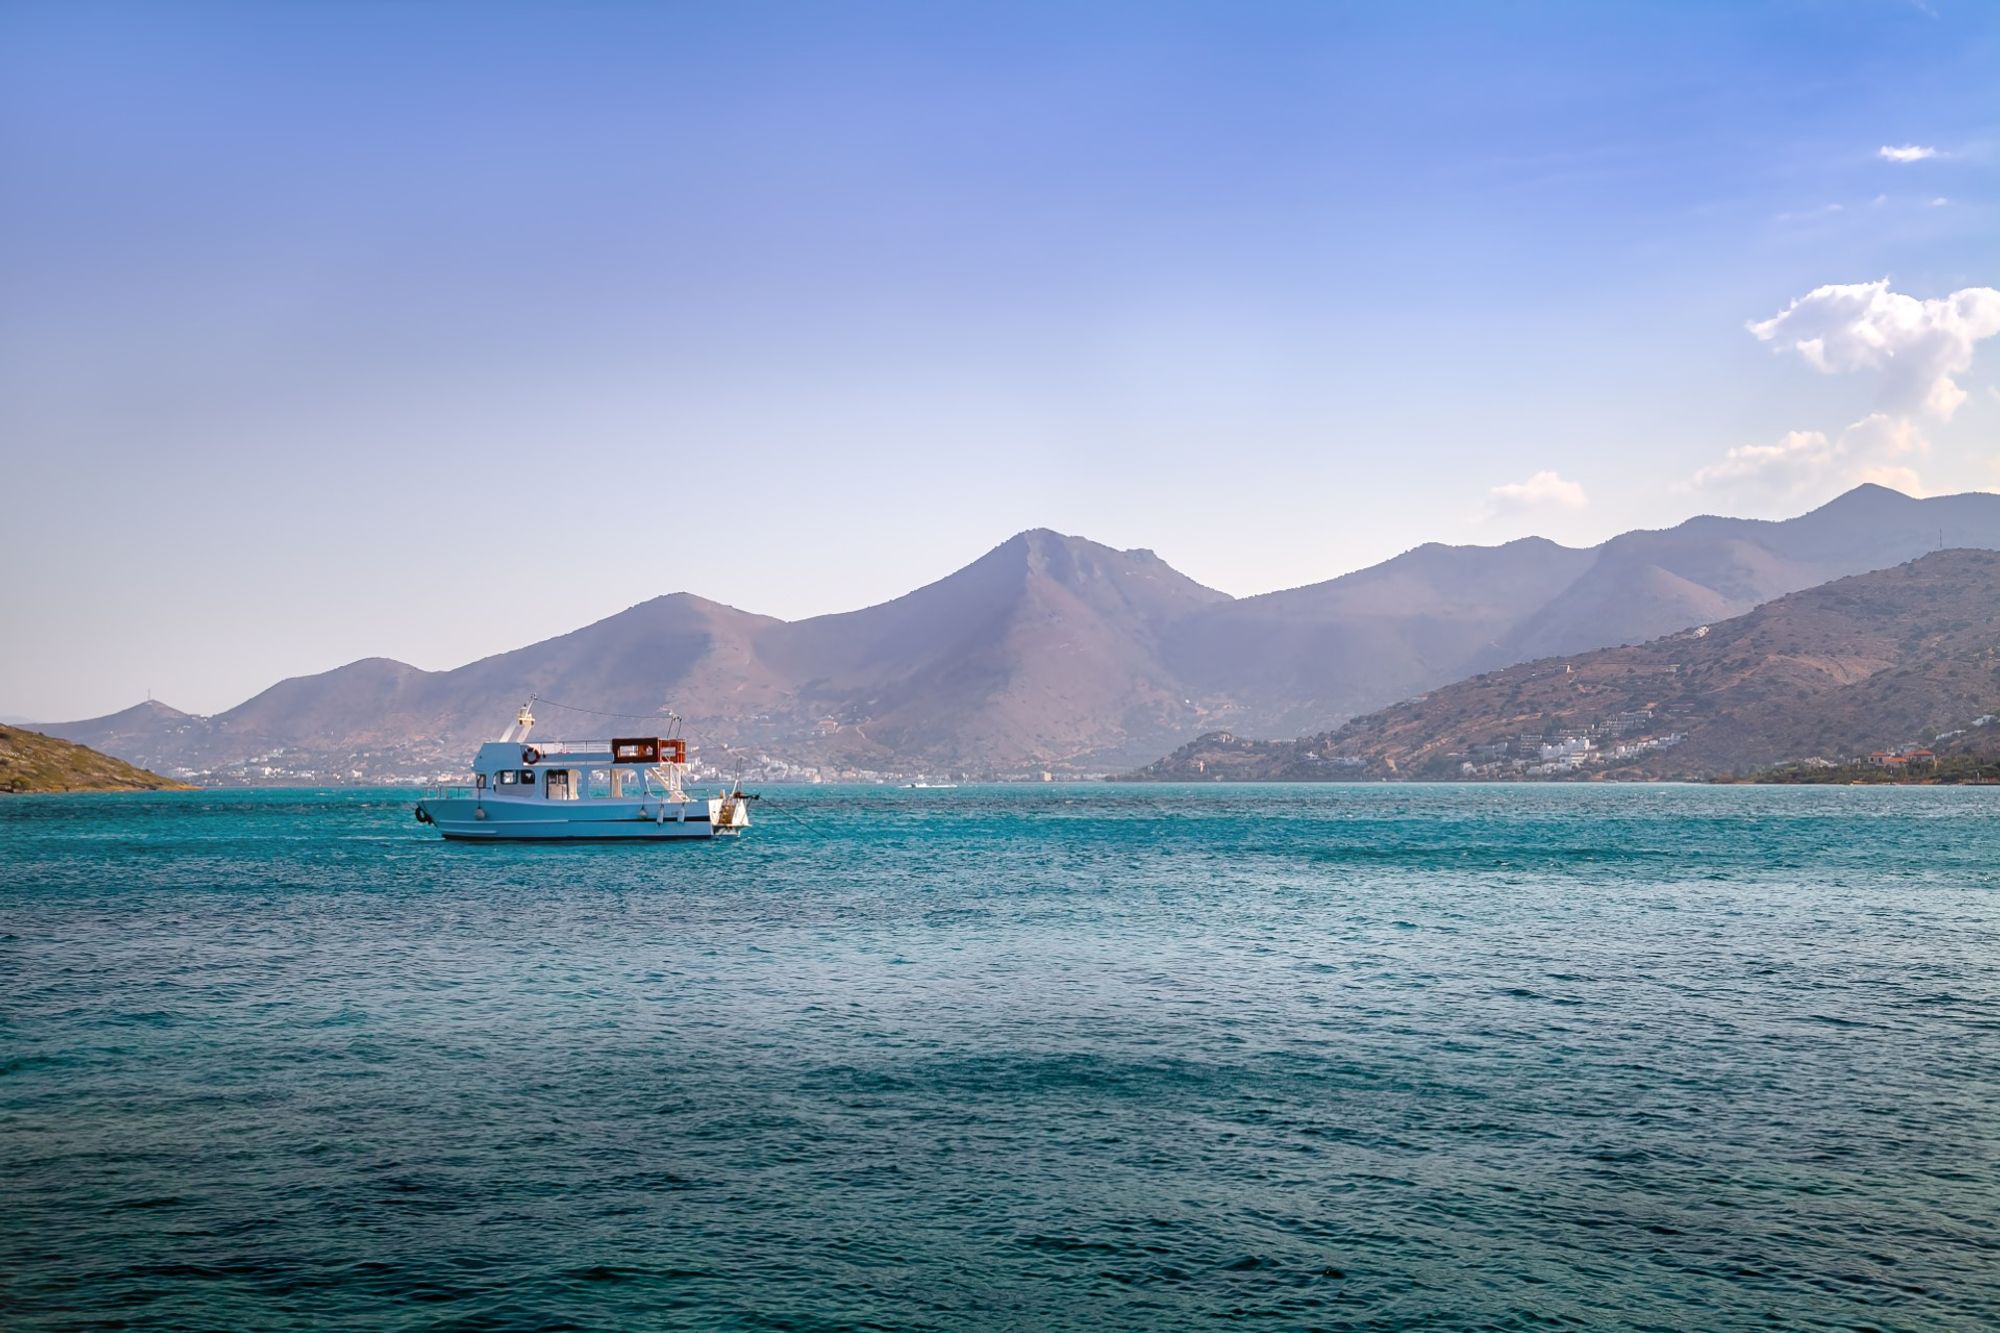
(32, 762)
(1949, 770)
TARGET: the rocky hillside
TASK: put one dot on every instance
(1309, 658)
(32, 762)
(1881, 661)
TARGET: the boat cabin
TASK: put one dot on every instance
(626, 768)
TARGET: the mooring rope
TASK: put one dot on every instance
(803, 822)
(667, 715)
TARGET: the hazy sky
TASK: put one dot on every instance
(428, 330)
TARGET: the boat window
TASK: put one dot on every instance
(557, 786)
(598, 784)
(528, 776)
(506, 777)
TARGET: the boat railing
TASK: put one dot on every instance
(578, 749)
(466, 791)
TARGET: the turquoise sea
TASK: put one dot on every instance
(1347, 1057)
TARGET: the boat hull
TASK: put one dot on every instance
(466, 820)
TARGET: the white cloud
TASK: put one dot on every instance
(1918, 345)
(1544, 488)
(1806, 467)
(1907, 153)
(1939, 202)
(1872, 447)
(1797, 460)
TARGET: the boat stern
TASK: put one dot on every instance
(726, 814)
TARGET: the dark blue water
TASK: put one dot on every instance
(1335, 1057)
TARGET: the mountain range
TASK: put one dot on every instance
(1875, 662)
(1050, 652)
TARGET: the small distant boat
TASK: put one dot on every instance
(930, 786)
(627, 789)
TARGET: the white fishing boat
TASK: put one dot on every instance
(626, 789)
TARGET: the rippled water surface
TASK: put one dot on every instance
(1113, 1057)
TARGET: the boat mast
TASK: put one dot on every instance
(524, 722)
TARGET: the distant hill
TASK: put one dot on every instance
(1050, 652)
(1042, 652)
(32, 762)
(1308, 658)
(1872, 662)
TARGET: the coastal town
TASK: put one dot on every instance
(1615, 740)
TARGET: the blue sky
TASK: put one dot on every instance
(337, 330)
